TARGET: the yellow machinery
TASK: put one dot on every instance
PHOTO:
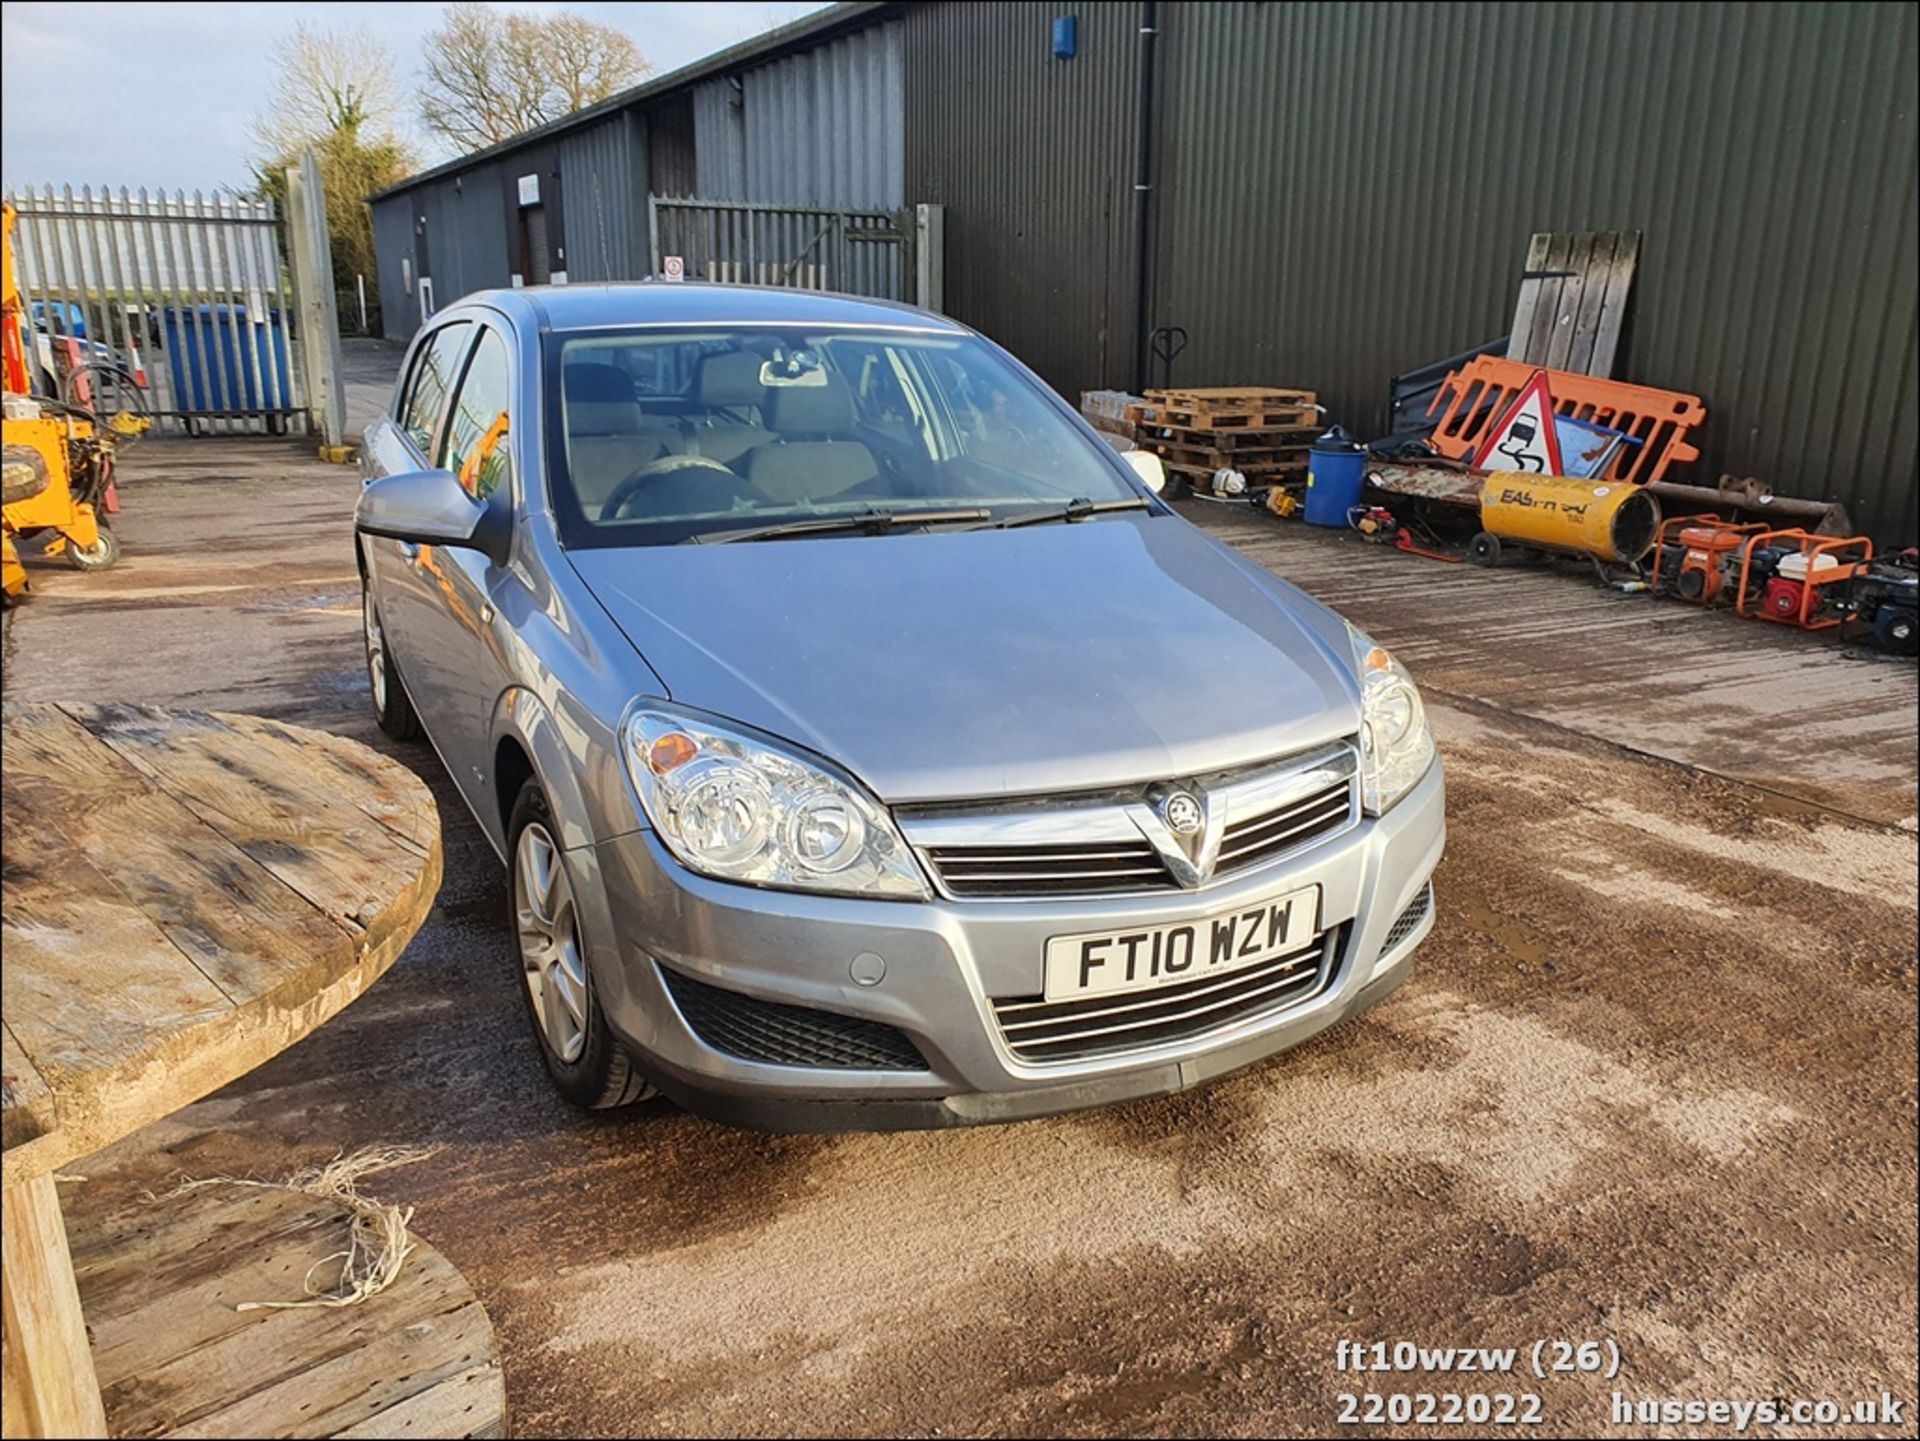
(1610, 520)
(58, 467)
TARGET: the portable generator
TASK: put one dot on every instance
(1698, 557)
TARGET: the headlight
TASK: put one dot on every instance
(742, 808)
(1396, 748)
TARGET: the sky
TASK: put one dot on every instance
(160, 94)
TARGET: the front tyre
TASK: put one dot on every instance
(101, 555)
(391, 706)
(588, 1064)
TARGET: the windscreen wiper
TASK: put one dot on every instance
(868, 522)
(1077, 509)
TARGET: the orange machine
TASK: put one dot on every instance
(1794, 578)
(69, 462)
(1700, 557)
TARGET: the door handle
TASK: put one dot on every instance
(486, 613)
(409, 552)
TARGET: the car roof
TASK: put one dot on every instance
(652, 302)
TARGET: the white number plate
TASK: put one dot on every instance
(1098, 962)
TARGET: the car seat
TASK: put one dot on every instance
(607, 439)
(728, 387)
(808, 461)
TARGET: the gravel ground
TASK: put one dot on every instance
(1653, 1082)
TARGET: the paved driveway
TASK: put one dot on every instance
(1653, 1081)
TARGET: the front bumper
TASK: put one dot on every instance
(943, 960)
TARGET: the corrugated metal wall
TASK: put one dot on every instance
(1346, 191)
(824, 127)
(671, 146)
(1350, 188)
(603, 198)
(466, 230)
(1033, 158)
(469, 247)
(392, 239)
(720, 139)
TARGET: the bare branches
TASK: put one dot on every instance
(492, 75)
(328, 81)
(334, 93)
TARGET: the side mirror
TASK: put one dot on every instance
(429, 507)
(1147, 466)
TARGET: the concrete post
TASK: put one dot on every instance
(315, 304)
(929, 256)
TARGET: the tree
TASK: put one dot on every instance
(491, 75)
(334, 93)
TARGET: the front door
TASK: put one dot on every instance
(448, 648)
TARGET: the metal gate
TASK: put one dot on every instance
(854, 252)
(188, 296)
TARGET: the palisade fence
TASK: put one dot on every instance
(189, 295)
(855, 252)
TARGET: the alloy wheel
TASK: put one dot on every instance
(376, 649)
(544, 919)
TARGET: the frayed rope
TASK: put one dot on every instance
(377, 1240)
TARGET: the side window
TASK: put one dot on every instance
(477, 445)
(432, 379)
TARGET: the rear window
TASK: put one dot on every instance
(662, 435)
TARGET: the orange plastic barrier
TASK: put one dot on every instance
(1478, 394)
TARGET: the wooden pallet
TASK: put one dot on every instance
(1248, 460)
(1247, 407)
(1275, 471)
(1231, 441)
(1203, 397)
(1235, 418)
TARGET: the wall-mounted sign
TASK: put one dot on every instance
(529, 189)
(673, 267)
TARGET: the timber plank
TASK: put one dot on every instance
(1527, 303)
(371, 782)
(257, 790)
(1613, 309)
(1586, 318)
(474, 1403)
(1566, 306)
(62, 919)
(145, 970)
(176, 1358)
(239, 924)
(157, 1245)
(48, 1372)
(26, 1101)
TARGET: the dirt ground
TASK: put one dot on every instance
(1653, 1081)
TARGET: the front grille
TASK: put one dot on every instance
(1258, 838)
(1036, 1029)
(1093, 869)
(1408, 921)
(756, 1030)
(1113, 858)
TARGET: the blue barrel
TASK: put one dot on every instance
(1336, 477)
(202, 338)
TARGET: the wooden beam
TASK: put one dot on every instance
(48, 1369)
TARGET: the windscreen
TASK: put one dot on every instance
(666, 435)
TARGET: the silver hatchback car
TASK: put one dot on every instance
(869, 745)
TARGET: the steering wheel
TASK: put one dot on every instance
(615, 505)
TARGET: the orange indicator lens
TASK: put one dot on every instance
(670, 752)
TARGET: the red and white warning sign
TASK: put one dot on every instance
(673, 267)
(1524, 438)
